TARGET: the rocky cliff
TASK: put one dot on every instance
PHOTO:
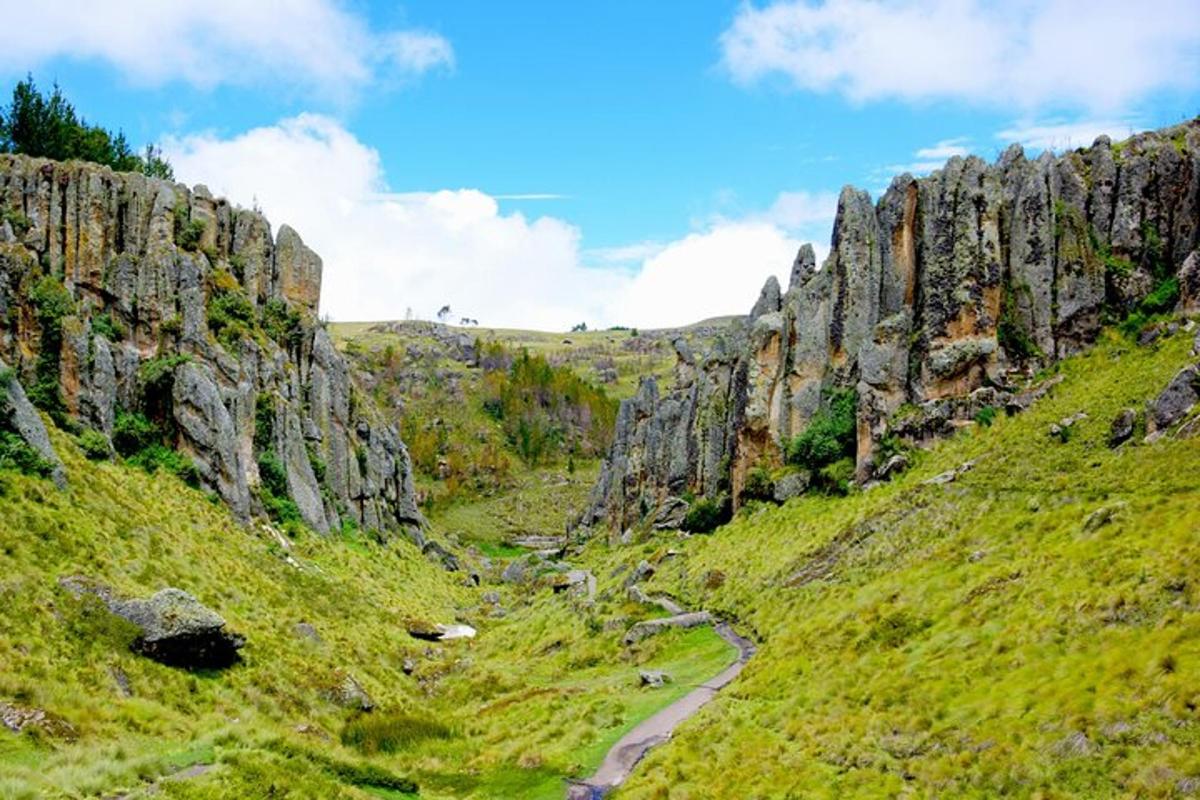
(137, 306)
(935, 301)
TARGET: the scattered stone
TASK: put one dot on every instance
(1189, 284)
(1101, 517)
(1024, 400)
(306, 630)
(18, 718)
(492, 598)
(893, 466)
(671, 514)
(1189, 429)
(1060, 429)
(949, 476)
(578, 582)
(515, 572)
(641, 572)
(124, 688)
(440, 555)
(627, 536)
(409, 666)
(650, 627)
(1122, 427)
(1076, 745)
(349, 693)
(1175, 401)
(174, 627)
(791, 485)
(455, 632)
(653, 678)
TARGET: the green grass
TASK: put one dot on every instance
(955, 637)
(915, 640)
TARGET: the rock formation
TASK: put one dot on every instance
(121, 293)
(932, 303)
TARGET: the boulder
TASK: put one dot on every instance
(1189, 284)
(791, 485)
(515, 572)
(650, 627)
(641, 572)
(1174, 402)
(577, 582)
(19, 718)
(654, 678)
(174, 628)
(1122, 427)
(24, 419)
(440, 555)
(349, 693)
(893, 466)
(671, 513)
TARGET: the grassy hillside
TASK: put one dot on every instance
(1031, 629)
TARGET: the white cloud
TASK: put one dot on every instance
(1057, 135)
(386, 251)
(302, 44)
(1102, 55)
(945, 149)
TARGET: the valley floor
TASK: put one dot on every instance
(1029, 629)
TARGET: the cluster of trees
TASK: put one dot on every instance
(47, 126)
(546, 411)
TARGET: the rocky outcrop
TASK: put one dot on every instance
(17, 413)
(159, 279)
(173, 627)
(934, 303)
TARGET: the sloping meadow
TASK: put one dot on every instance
(1031, 628)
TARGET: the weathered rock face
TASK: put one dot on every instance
(153, 269)
(929, 300)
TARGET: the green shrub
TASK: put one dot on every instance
(830, 434)
(1163, 299)
(94, 444)
(283, 324)
(16, 454)
(985, 416)
(107, 326)
(759, 485)
(1010, 333)
(230, 315)
(272, 474)
(159, 456)
(156, 382)
(133, 432)
(52, 303)
(390, 732)
(837, 477)
(706, 514)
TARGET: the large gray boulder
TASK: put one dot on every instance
(1175, 401)
(174, 628)
(24, 419)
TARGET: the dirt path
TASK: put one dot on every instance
(629, 749)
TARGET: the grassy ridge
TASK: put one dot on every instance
(990, 637)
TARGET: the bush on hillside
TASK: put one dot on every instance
(390, 732)
(830, 434)
(706, 514)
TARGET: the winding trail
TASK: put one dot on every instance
(623, 756)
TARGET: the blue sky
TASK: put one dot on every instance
(677, 152)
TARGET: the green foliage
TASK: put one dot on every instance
(264, 422)
(189, 234)
(47, 126)
(106, 325)
(273, 491)
(272, 473)
(282, 323)
(546, 411)
(94, 444)
(758, 485)
(16, 220)
(1162, 300)
(133, 432)
(156, 383)
(830, 434)
(16, 454)
(52, 303)
(390, 732)
(706, 514)
(985, 416)
(836, 477)
(1010, 333)
(230, 313)
(159, 456)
